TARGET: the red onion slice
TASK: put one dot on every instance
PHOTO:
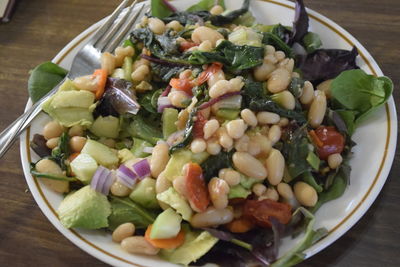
(126, 176)
(217, 99)
(99, 178)
(162, 103)
(109, 180)
(142, 168)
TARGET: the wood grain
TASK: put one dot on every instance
(40, 28)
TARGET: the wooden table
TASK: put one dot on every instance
(39, 29)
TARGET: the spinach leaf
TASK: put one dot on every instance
(206, 5)
(311, 42)
(281, 31)
(274, 40)
(359, 92)
(43, 78)
(187, 136)
(348, 118)
(235, 57)
(300, 24)
(325, 64)
(149, 100)
(296, 86)
(161, 9)
(125, 210)
(189, 18)
(213, 164)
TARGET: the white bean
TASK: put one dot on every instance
(178, 98)
(274, 134)
(159, 159)
(218, 190)
(52, 129)
(210, 127)
(77, 143)
(259, 189)
(175, 25)
(212, 217)
(108, 62)
(266, 117)
(262, 72)
(285, 99)
(236, 128)
(87, 82)
(213, 147)
(263, 143)
(271, 194)
(203, 33)
(305, 194)
(231, 176)
(123, 231)
(162, 184)
(49, 166)
(249, 117)
(249, 165)
(205, 46)
(198, 145)
(75, 130)
(138, 245)
(280, 55)
(221, 87)
(121, 53)
(156, 25)
(317, 110)
(279, 80)
(335, 160)
(53, 142)
(140, 73)
(120, 190)
(307, 94)
(216, 10)
(224, 139)
(275, 165)
(242, 144)
(326, 88)
(215, 77)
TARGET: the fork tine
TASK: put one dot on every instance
(104, 28)
(105, 39)
(122, 33)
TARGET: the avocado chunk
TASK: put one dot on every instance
(177, 202)
(169, 117)
(85, 209)
(101, 153)
(166, 225)
(144, 193)
(84, 167)
(106, 127)
(195, 246)
(70, 106)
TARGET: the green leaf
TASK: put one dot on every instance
(125, 210)
(311, 42)
(215, 163)
(43, 78)
(205, 5)
(359, 92)
(159, 9)
(278, 43)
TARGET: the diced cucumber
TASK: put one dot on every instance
(106, 127)
(138, 146)
(118, 73)
(176, 163)
(169, 117)
(313, 160)
(101, 153)
(127, 67)
(166, 225)
(177, 202)
(144, 193)
(84, 167)
(228, 114)
(238, 191)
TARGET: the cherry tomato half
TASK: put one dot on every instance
(259, 211)
(199, 125)
(205, 75)
(332, 141)
(196, 189)
(186, 45)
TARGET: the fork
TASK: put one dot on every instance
(106, 39)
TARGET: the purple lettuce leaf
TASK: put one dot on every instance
(118, 99)
(300, 24)
(326, 64)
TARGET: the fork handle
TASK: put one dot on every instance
(11, 133)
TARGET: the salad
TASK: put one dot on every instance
(206, 137)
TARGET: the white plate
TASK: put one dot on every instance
(371, 163)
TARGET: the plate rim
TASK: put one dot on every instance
(339, 230)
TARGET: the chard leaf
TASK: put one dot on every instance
(325, 64)
(142, 129)
(124, 210)
(274, 40)
(362, 93)
(206, 5)
(165, 72)
(213, 164)
(220, 20)
(235, 57)
(188, 133)
(43, 78)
